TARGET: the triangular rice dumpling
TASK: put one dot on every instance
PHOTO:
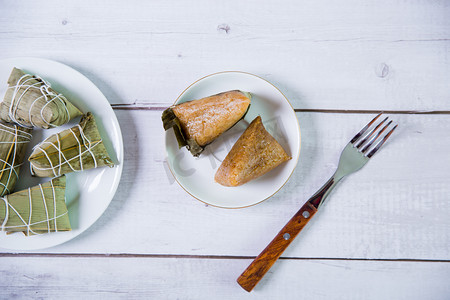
(197, 123)
(36, 210)
(30, 101)
(76, 149)
(13, 144)
(255, 153)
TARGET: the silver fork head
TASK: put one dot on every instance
(365, 139)
(363, 146)
(358, 152)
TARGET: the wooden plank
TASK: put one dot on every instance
(172, 278)
(363, 55)
(396, 207)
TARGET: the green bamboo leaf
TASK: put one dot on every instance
(13, 143)
(30, 101)
(36, 210)
(72, 150)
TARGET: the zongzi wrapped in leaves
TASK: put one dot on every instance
(76, 149)
(197, 123)
(36, 210)
(13, 143)
(30, 101)
(255, 153)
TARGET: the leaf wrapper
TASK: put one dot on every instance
(30, 101)
(197, 123)
(170, 120)
(72, 150)
(13, 143)
(36, 210)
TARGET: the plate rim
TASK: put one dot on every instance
(299, 143)
(120, 157)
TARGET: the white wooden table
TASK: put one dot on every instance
(384, 234)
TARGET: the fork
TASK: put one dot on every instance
(354, 156)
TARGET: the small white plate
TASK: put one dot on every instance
(196, 175)
(88, 193)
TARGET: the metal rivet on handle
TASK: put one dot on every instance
(286, 236)
(305, 214)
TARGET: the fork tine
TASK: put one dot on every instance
(380, 143)
(372, 140)
(364, 140)
(358, 135)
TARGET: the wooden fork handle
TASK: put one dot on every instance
(264, 261)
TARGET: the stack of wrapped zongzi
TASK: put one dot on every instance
(31, 102)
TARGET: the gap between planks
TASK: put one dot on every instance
(182, 256)
(332, 111)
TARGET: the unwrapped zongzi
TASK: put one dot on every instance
(255, 153)
(13, 143)
(30, 101)
(76, 149)
(36, 210)
(197, 123)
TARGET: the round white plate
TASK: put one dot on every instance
(196, 175)
(88, 193)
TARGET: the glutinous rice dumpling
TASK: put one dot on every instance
(72, 150)
(255, 153)
(197, 123)
(36, 210)
(13, 144)
(30, 101)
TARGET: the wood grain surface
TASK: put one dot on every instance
(383, 55)
(384, 232)
(190, 278)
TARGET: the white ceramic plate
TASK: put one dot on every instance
(196, 175)
(88, 193)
